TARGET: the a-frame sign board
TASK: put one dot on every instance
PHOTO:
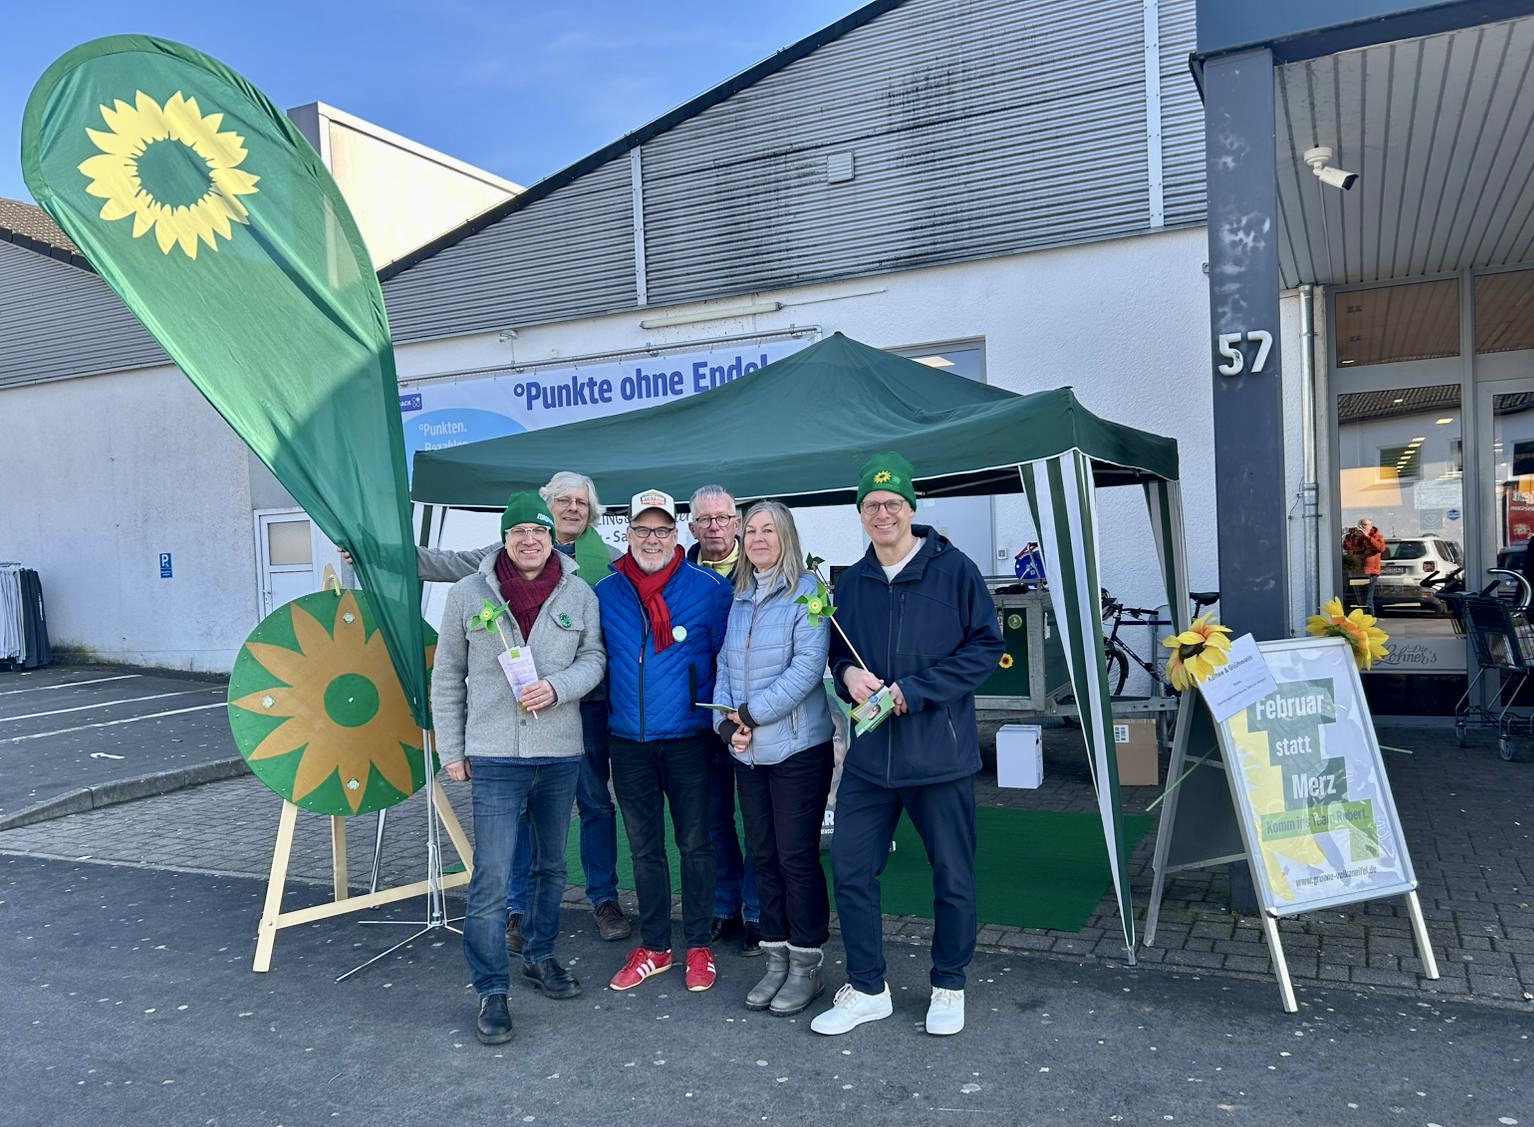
(1295, 785)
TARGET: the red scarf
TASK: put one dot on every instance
(651, 588)
(525, 597)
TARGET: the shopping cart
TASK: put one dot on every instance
(1500, 636)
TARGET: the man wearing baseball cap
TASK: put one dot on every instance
(663, 620)
(917, 609)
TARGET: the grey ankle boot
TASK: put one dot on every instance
(804, 983)
(763, 992)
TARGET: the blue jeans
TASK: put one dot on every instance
(599, 820)
(501, 792)
(734, 873)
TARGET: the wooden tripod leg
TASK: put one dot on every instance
(266, 936)
(338, 857)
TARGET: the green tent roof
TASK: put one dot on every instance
(798, 429)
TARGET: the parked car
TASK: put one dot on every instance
(1407, 562)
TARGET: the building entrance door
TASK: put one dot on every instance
(291, 554)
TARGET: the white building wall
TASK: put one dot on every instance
(107, 473)
(1124, 322)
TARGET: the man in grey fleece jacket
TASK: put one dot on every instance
(517, 739)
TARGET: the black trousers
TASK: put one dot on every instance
(781, 806)
(944, 816)
(647, 778)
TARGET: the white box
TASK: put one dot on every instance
(1020, 756)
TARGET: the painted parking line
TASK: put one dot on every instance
(70, 684)
(112, 723)
(100, 704)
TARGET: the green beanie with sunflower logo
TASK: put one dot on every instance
(889, 472)
(526, 508)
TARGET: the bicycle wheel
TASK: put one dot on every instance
(1117, 667)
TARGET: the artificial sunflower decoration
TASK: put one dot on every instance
(317, 710)
(171, 169)
(1358, 628)
(1196, 653)
(1006, 661)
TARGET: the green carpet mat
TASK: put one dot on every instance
(1037, 868)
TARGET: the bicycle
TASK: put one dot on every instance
(1117, 653)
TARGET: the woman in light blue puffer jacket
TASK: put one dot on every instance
(771, 676)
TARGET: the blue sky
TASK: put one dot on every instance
(520, 88)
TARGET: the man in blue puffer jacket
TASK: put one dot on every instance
(917, 611)
(664, 621)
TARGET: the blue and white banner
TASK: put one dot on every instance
(448, 413)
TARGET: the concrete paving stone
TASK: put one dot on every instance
(1444, 985)
(1344, 954)
(1384, 962)
(1368, 976)
(1390, 944)
(1250, 963)
(1076, 946)
(1475, 943)
(1301, 967)
(1027, 941)
(1496, 986)
(1212, 929)
(1205, 945)
(1491, 961)
(1513, 946)
(990, 934)
(1241, 946)
(1518, 932)
(1194, 959)
(1151, 954)
(1327, 972)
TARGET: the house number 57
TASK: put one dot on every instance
(1235, 359)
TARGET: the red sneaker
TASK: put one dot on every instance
(700, 968)
(642, 963)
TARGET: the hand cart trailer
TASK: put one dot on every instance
(1502, 640)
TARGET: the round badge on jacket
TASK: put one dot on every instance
(679, 633)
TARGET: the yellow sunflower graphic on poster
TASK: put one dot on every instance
(317, 710)
(171, 170)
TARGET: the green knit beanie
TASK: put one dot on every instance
(526, 508)
(889, 472)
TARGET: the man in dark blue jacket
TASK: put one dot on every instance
(917, 611)
(663, 622)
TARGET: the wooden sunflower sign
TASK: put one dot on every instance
(318, 712)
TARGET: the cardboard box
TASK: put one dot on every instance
(1135, 742)
(1020, 756)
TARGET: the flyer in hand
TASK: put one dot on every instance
(873, 711)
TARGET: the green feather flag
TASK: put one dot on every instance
(197, 200)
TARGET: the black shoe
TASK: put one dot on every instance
(551, 978)
(494, 1024)
(751, 939)
(612, 924)
(514, 939)
(725, 927)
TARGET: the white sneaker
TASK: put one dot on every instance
(945, 1016)
(851, 1009)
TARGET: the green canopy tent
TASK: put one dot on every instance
(798, 430)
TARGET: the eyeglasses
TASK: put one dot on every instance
(527, 532)
(644, 532)
(869, 508)
(714, 522)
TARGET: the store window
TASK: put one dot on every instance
(1397, 323)
(1504, 311)
(1401, 465)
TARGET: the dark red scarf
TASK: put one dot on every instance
(525, 597)
(651, 590)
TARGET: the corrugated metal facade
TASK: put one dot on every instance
(1182, 119)
(976, 128)
(57, 320)
(569, 254)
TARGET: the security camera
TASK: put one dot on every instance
(1320, 161)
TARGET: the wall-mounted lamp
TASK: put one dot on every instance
(1320, 161)
(710, 315)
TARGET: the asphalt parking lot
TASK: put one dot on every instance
(76, 737)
